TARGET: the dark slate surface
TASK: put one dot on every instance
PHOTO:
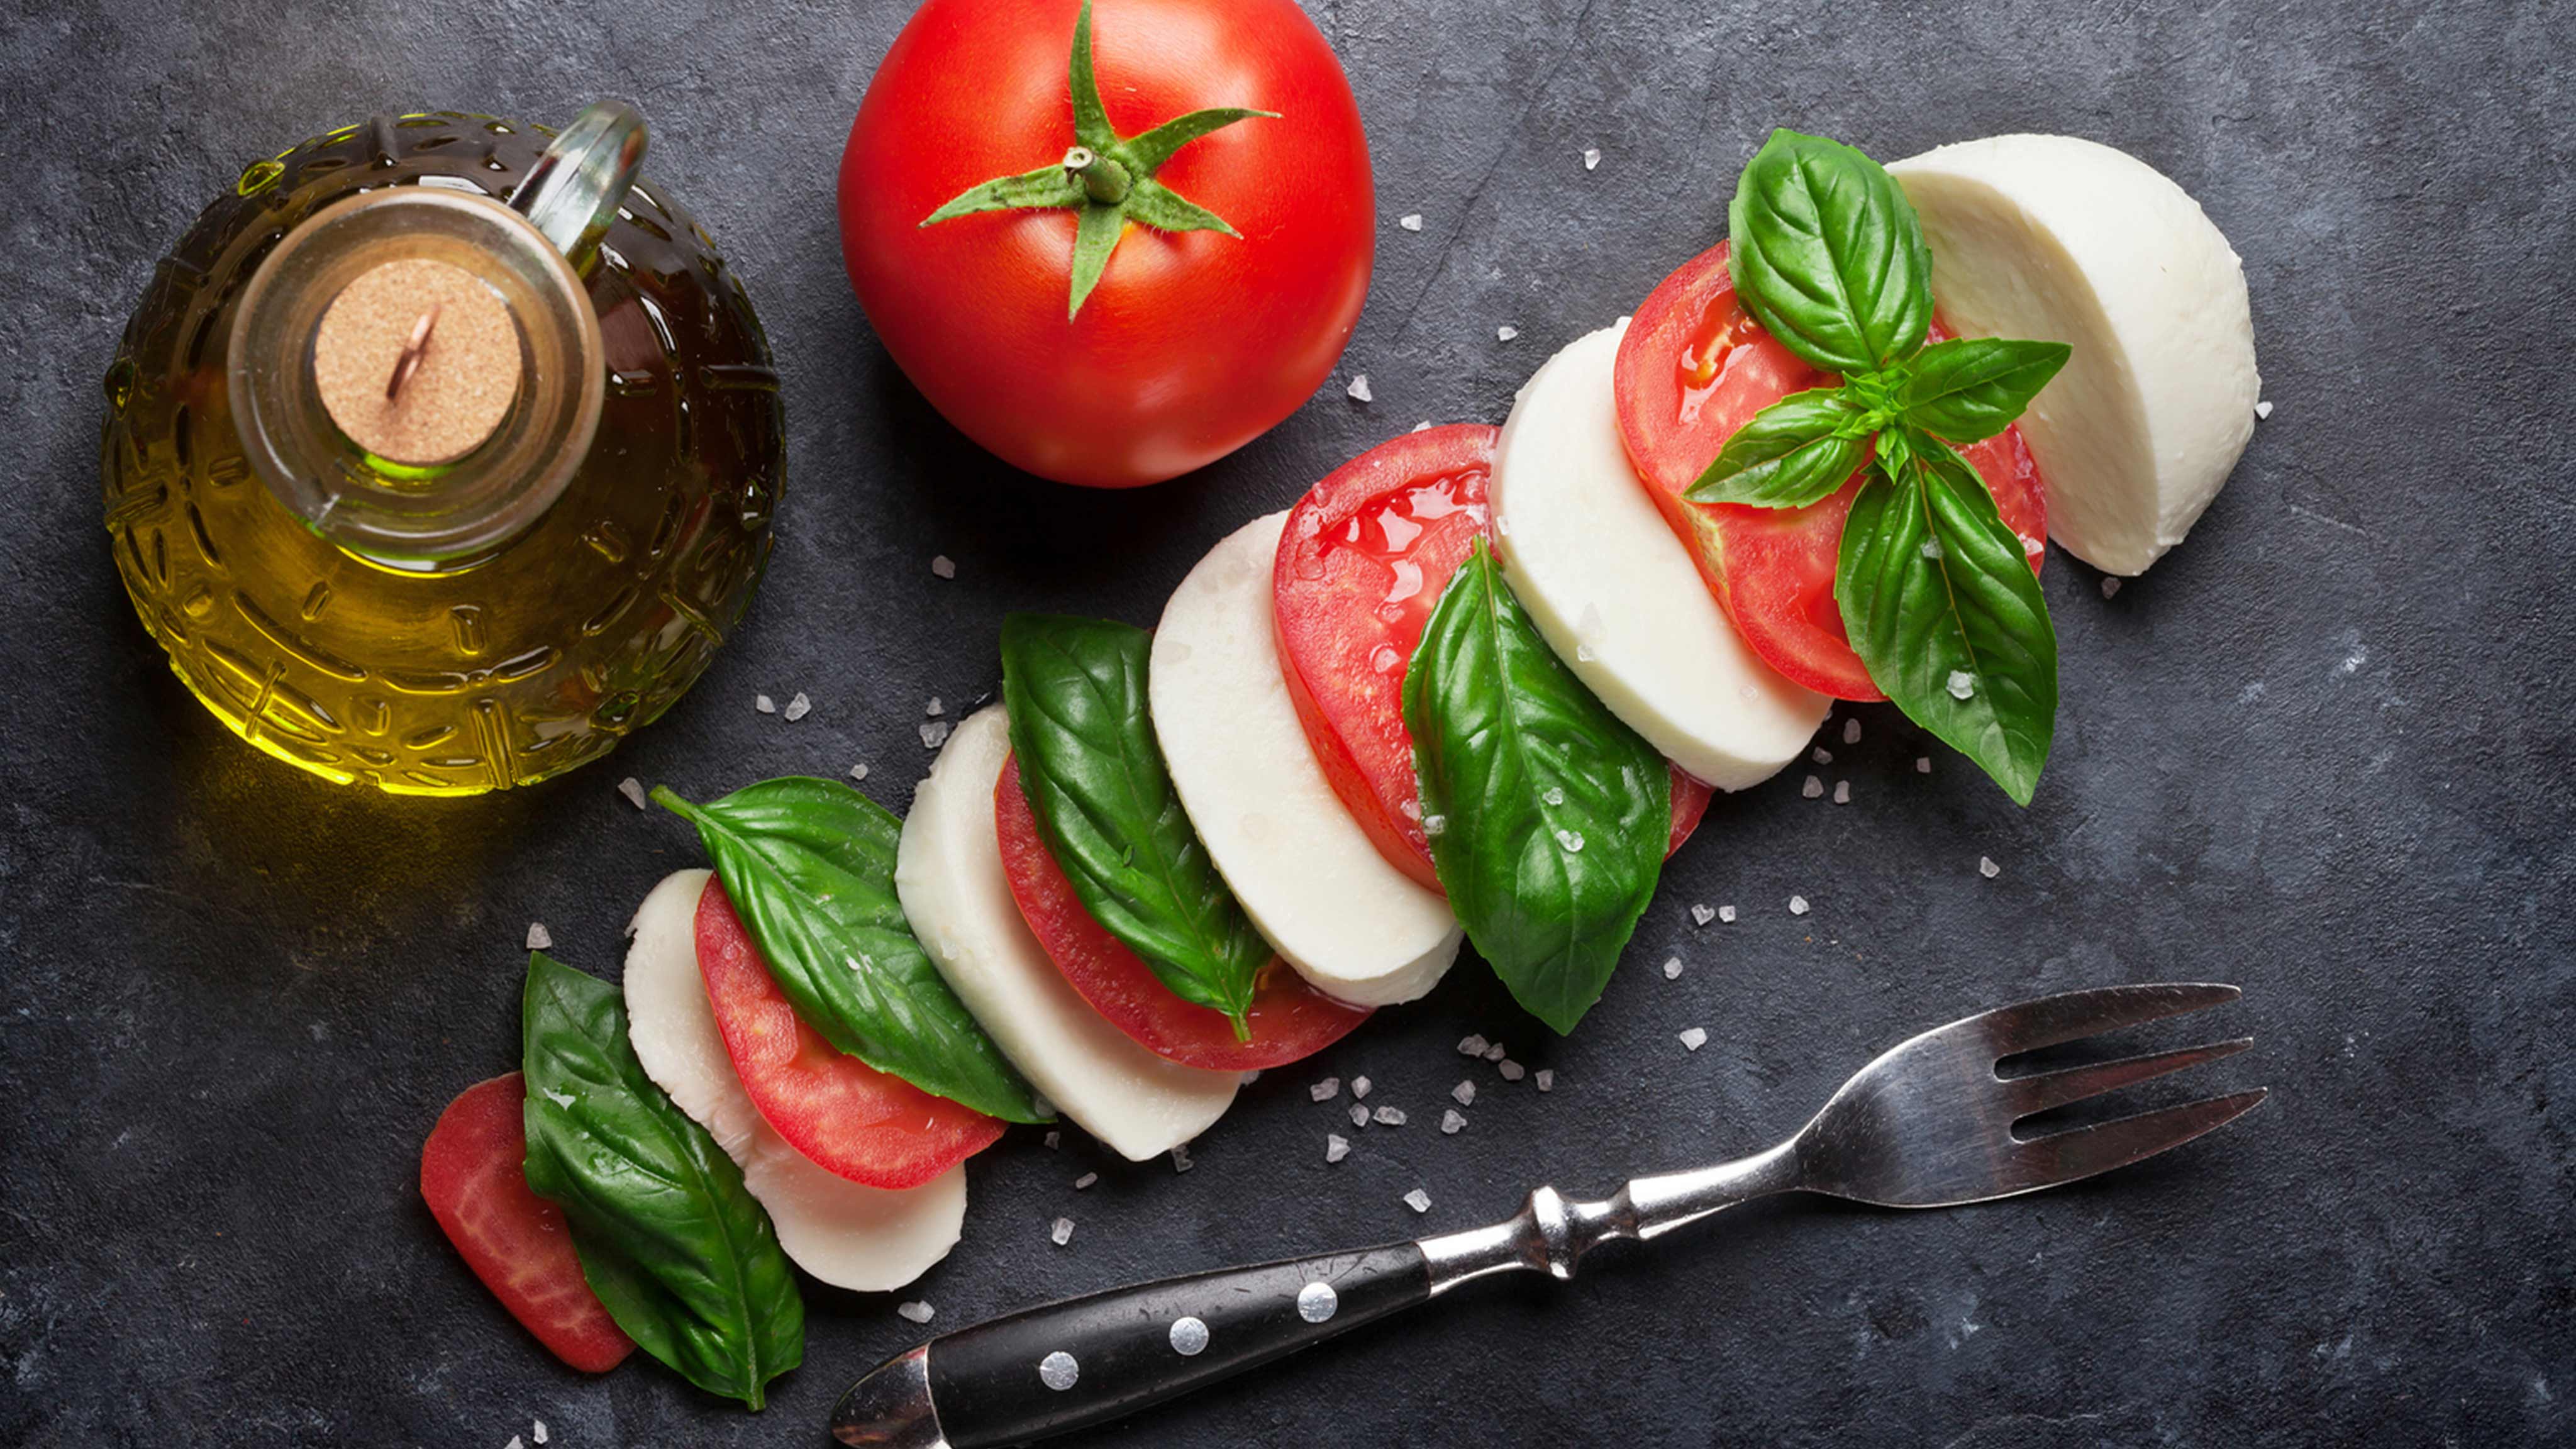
(2321, 750)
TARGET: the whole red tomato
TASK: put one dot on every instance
(1191, 343)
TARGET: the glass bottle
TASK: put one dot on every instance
(533, 541)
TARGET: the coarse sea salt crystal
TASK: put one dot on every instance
(1471, 1046)
(1572, 840)
(1410, 221)
(1726, 914)
(1325, 1090)
(539, 939)
(1336, 1147)
(1797, 905)
(1181, 1158)
(1465, 1092)
(1506, 332)
(1360, 1086)
(934, 733)
(1962, 684)
(1813, 788)
(1054, 1140)
(798, 708)
(859, 771)
(1986, 867)
(1672, 968)
(2263, 409)
(1494, 1051)
(1931, 548)
(1821, 755)
(560, 1099)
(764, 704)
(1923, 764)
(1694, 1038)
(1423, 426)
(933, 708)
(1553, 795)
(1418, 1200)
(537, 1432)
(1451, 1121)
(944, 566)
(1546, 1079)
(1388, 1116)
(1062, 1232)
(915, 1311)
(516, 1443)
(1851, 731)
(1702, 915)
(1084, 1181)
(1842, 792)
(633, 790)
(1591, 157)
(1359, 1115)
(2110, 585)
(1359, 389)
(1512, 1071)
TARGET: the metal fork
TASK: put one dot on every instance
(1928, 1124)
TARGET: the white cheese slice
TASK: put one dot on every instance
(864, 1238)
(1618, 596)
(949, 873)
(1315, 886)
(2068, 240)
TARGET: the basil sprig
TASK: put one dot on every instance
(1936, 592)
(1547, 815)
(669, 1238)
(1107, 809)
(810, 865)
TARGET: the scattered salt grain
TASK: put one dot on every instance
(1672, 968)
(1797, 905)
(1842, 792)
(1450, 1122)
(1694, 1038)
(1546, 1079)
(1923, 764)
(1388, 1116)
(1360, 1086)
(1813, 788)
(1062, 1232)
(1410, 221)
(1336, 1147)
(516, 1443)
(1465, 1092)
(1359, 1115)
(1553, 795)
(2110, 585)
(915, 1312)
(764, 704)
(933, 708)
(1084, 1181)
(1702, 915)
(1572, 840)
(1986, 867)
(1054, 1140)
(1181, 1158)
(1418, 1200)
(1591, 157)
(1726, 914)
(1962, 684)
(798, 708)
(1512, 1071)
(1932, 548)
(1471, 1046)
(1359, 389)
(1494, 1052)
(934, 733)
(1506, 332)
(633, 790)
(2263, 409)
(1851, 731)
(1821, 755)
(1423, 426)
(2034, 547)
(1435, 824)
(1325, 1090)
(859, 771)
(944, 566)
(537, 1432)
(560, 1099)
(539, 939)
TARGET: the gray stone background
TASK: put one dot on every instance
(2322, 751)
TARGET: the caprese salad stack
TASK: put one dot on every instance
(1475, 686)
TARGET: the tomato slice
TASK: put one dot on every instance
(474, 1176)
(1695, 367)
(1289, 1019)
(872, 1127)
(1362, 561)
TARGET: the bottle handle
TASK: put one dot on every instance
(573, 192)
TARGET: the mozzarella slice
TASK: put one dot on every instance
(863, 1238)
(949, 873)
(2068, 240)
(1618, 596)
(1314, 885)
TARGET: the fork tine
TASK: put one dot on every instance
(2050, 1020)
(2066, 1156)
(2044, 1090)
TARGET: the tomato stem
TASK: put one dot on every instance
(1101, 177)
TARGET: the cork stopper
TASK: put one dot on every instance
(417, 361)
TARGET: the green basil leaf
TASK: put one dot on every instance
(1971, 388)
(1075, 691)
(1828, 254)
(1941, 605)
(669, 1238)
(810, 865)
(1553, 814)
(1790, 454)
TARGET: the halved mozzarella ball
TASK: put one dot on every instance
(1618, 596)
(864, 1238)
(949, 873)
(1315, 886)
(2068, 240)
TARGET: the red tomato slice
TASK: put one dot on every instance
(1289, 1018)
(474, 1176)
(852, 1120)
(1362, 561)
(1693, 369)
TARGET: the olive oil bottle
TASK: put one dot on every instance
(441, 453)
